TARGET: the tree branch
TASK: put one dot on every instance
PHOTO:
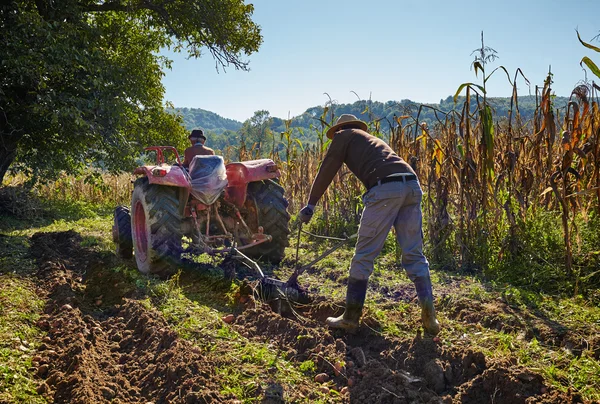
(109, 6)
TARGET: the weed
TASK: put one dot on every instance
(308, 366)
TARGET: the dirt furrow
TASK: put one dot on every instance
(127, 356)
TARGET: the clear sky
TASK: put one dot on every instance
(387, 50)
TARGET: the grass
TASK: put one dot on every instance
(20, 308)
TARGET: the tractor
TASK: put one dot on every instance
(211, 208)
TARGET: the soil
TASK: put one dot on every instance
(104, 345)
(125, 355)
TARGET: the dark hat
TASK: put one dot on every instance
(197, 133)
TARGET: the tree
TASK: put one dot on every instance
(256, 132)
(80, 80)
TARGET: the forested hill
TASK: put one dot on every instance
(366, 110)
(201, 118)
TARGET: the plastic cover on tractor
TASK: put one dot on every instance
(208, 177)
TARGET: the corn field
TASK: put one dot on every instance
(484, 180)
(487, 180)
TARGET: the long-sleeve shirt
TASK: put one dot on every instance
(367, 156)
(197, 150)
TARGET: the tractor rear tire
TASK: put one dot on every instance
(273, 216)
(156, 228)
(122, 232)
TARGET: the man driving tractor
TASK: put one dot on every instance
(197, 139)
(393, 198)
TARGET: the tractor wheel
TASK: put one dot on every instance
(121, 232)
(272, 212)
(156, 228)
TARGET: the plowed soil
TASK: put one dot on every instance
(127, 353)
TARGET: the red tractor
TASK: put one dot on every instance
(212, 208)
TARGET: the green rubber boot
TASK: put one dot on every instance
(425, 295)
(355, 300)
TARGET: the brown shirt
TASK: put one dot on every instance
(198, 150)
(367, 156)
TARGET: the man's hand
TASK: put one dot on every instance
(306, 213)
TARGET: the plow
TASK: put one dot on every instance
(236, 211)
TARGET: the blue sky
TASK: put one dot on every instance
(387, 50)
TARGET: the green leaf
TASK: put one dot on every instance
(505, 71)
(591, 65)
(587, 45)
(463, 85)
(300, 144)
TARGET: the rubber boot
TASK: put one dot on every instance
(355, 300)
(425, 295)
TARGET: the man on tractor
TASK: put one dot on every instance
(197, 140)
(393, 198)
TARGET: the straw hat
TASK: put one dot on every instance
(346, 119)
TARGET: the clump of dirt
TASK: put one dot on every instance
(443, 368)
(127, 357)
(127, 354)
(301, 340)
(361, 372)
(61, 246)
(72, 273)
(379, 384)
(495, 315)
(505, 383)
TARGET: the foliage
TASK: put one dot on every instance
(256, 134)
(208, 121)
(80, 82)
(586, 60)
(20, 308)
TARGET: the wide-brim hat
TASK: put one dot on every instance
(197, 133)
(343, 120)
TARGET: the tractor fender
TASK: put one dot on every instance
(172, 176)
(240, 174)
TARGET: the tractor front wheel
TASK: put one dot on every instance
(121, 232)
(156, 228)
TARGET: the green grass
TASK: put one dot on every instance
(20, 308)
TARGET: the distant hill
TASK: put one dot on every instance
(200, 118)
(224, 130)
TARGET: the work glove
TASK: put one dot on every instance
(306, 213)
